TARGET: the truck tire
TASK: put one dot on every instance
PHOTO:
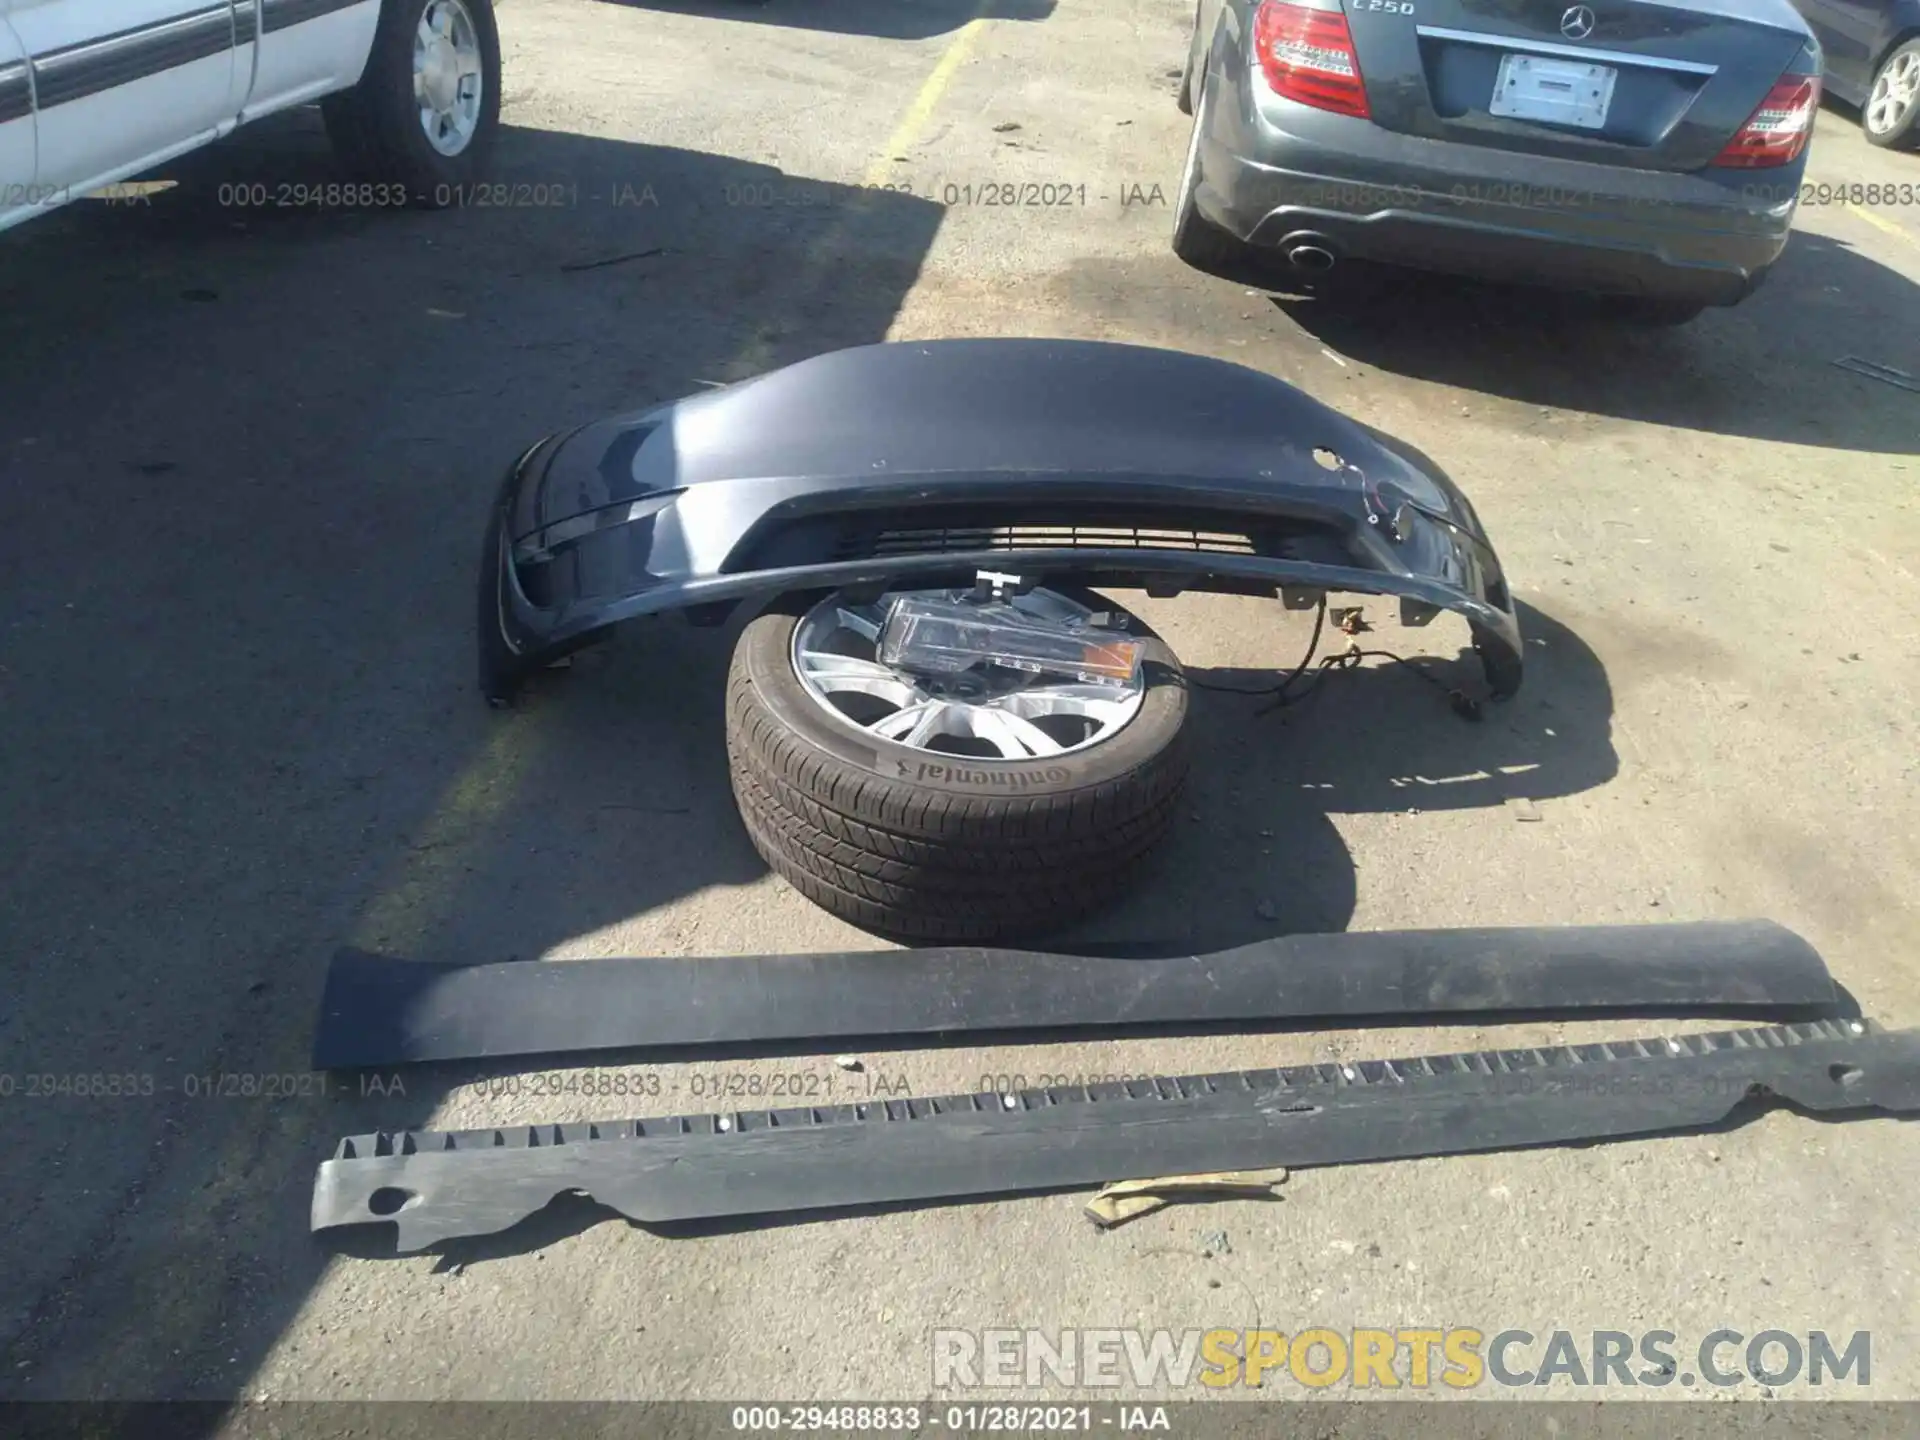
(442, 55)
(919, 845)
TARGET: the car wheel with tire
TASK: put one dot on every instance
(427, 109)
(1891, 115)
(985, 805)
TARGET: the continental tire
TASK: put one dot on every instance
(923, 904)
(918, 845)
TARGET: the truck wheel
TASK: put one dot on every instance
(427, 107)
(987, 805)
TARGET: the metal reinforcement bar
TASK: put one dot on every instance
(382, 1011)
(437, 1186)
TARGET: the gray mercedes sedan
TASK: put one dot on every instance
(1646, 149)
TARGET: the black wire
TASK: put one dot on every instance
(1284, 695)
(1462, 704)
(1354, 657)
(1313, 647)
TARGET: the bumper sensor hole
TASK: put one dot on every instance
(390, 1200)
(1327, 459)
(1844, 1074)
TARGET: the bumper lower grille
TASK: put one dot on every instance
(880, 544)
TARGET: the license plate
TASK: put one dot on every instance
(1559, 92)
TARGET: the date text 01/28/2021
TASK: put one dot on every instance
(212, 1085)
(1002, 194)
(792, 1086)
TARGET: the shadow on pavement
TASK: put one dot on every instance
(1257, 854)
(629, 790)
(1761, 369)
(887, 19)
(243, 478)
(248, 445)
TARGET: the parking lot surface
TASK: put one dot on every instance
(245, 457)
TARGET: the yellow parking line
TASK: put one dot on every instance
(420, 896)
(1880, 222)
(908, 130)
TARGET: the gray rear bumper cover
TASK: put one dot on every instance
(1273, 170)
(437, 1186)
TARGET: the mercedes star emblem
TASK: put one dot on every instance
(1577, 23)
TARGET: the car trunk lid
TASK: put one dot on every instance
(1622, 82)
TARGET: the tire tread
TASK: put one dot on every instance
(913, 862)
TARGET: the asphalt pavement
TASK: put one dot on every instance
(245, 457)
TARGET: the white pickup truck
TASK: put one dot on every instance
(95, 91)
